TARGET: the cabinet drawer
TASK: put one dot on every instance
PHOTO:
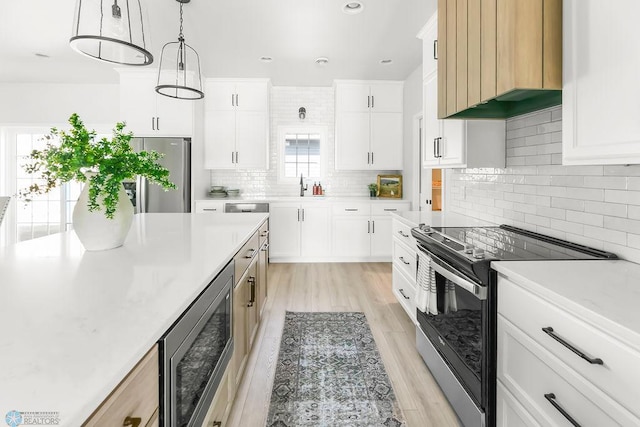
(405, 259)
(357, 208)
(509, 412)
(263, 232)
(137, 396)
(403, 232)
(221, 400)
(404, 292)
(245, 255)
(531, 313)
(530, 372)
(385, 208)
(209, 206)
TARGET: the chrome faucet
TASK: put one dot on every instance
(303, 187)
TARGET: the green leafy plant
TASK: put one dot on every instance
(77, 155)
(373, 187)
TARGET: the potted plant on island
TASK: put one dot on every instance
(373, 189)
(103, 214)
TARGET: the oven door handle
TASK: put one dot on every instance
(478, 291)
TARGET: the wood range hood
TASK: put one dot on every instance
(498, 58)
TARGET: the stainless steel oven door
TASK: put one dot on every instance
(196, 353)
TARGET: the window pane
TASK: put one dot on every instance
(302, 155)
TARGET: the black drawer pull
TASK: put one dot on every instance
(551, 398)
(402, 234)
(549, 331)
(402, 292)
(403, 260)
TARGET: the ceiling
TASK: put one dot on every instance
(230, 38)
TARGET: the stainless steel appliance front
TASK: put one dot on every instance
(195, 353)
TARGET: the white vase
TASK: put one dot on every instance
(97, 232)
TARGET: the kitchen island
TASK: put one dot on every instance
(74, 322)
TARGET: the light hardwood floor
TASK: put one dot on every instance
(362, 287)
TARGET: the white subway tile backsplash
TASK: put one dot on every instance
(598, 206)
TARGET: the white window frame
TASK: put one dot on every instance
(285, 130)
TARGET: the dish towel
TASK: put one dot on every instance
(427, 292)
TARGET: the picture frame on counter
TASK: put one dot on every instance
(390, 186)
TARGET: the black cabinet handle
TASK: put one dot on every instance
(402, 234)
(551, 398)
(403, 260)
(402, 293)
(435, 50)
(549, 331)
(252, 284)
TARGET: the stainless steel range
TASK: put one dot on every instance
(457, 305)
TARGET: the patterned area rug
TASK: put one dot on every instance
(329, 373)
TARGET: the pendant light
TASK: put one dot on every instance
(110, 31)
(179, 70)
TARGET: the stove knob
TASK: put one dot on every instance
(425, 228)
(468, 249)
(478, 253)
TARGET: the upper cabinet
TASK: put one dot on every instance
(453, 143)
(148, 113)
(498, 58)
(236, 124)
(600, 109)
(369, 124)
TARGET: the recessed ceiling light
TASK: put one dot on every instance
(322, 60)
(266, 59)
(353, 7)
(41, 55)
(386, 61)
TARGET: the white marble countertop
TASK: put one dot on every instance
(603, 293)
(439, 219)
(74, 323)
(306, 198)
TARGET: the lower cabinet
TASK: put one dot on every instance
(135, 399)
(299, 230)
(553, 368)
(363, 230)
(405, 267)
(221, 404)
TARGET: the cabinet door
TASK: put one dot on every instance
(252, 96)
(430, 50)
(219, 139)
(351, 236)
(252, 140)
(451, 68)
(138, 104)
(386, 141)
(219, 95)
(387, 97)
(381, 244)
(352, 97)
(316, 230)
(174, 117)
(253, 315)
(352, 141)
(263, 267)
(442, 59)
(600, 94)
(284, 229)
(453, 143)
(430, 122)
(240, 341)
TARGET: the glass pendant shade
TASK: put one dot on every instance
(111, 31)
(179, 71)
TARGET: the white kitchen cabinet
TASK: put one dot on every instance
(148, 113)
(600, 92)
(543, 352)
(369, 125)
(452, 143)
(236, 126)
(405, 266)
(299, 230)
(363, 230)
(209, 206)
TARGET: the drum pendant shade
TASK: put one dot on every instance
(111, 31)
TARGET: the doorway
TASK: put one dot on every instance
(430, 180)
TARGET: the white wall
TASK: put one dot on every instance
(412, 108)
(52, 104)
(320, 106)
(598, 206)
